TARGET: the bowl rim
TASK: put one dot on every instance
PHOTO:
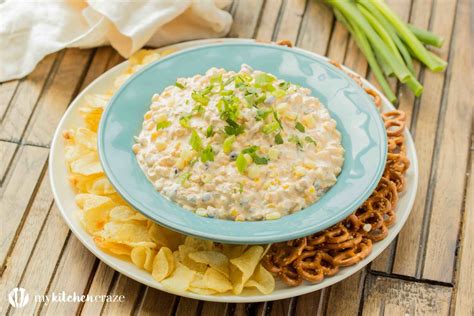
(239, 238)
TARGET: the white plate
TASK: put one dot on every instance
(64, 196)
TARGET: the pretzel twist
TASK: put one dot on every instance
(314, 257)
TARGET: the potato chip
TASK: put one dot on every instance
(233, 251)
(96, 102)
(95, 211)
(243, 267)
(133, 234)
(163, 264)
(143, 257)
(115, 248)
(87, 165)
(74, 152)
(200, 291)
(184, 251)
(214, 280)
(180, 280)
(214, 259)
(262, 280)
(165, 237)
(100, 186)
(137, 58)
(83, 183)
(86, 138)
(123, 213)
(199, 244)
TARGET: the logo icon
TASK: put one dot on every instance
(18, 297)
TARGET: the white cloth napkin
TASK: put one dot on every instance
(30, 30)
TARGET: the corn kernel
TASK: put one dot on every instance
(285, 186)
(309, 164)
(282, 107)
(308, 121)
(147, 115)
(240, 218)
(267, 184)
(154, 135)
(135, 148)
(311, 190)
(160, 146)
(248, 158)
(273, 154)
(272, 215)
(290, 115)
(234, 212)
(299, 172)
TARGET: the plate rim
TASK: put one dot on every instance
(136, 274)
(276, 236)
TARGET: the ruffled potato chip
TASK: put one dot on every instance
(216, 281)
(83, 183)
(165, 237)
(131, 233)
(123, 213)
(95, 211)
(233, 251)
(201, 291)
(113, 247)
(243, 267)
(262, 280)
(143, 257)
(100, 186)
(184, 251)
(198, 244)
(87, 165)
(86, 138)
(163, 264)
(180, 280)
(215, 259)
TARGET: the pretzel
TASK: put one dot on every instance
(346, 243)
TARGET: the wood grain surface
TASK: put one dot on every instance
(428, 269)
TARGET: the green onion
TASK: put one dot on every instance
(195, 141)
(207, 154)
(179, 85)
(426, 37)
(228, 142)
(209, 131)
(162, 125)
(241, 163)
(300, 127)
(270, 127)
(310, 139)
(278, 139)
(184, 120)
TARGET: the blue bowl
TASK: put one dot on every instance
(362, 130)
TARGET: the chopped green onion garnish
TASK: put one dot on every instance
(263, 79)
(185, 176)
(179, 85)
(252, 151)
(295, 139)
(209, 131)
(241, 163)
(195, 141)
(270, 127)
(200, 98)
(310, 139)
(184, 121)
(228, 142)
(300, 127)
(207, 154)
(262, 114)
(278, 139)
(163, 124)
(233, 128)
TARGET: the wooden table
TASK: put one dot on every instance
(427, 269)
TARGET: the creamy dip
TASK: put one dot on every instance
(241, 146)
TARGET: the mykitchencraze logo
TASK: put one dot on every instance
(19, 298)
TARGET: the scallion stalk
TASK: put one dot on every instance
(426, 37)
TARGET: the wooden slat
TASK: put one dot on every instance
(72, 276)
(337, 45)
(131, 290)
(269, 18)
(102, 281)
(410, 245)
(464, 293)
(386, 296)
(55, 100)
(311, 304)
(453, 153)
(16, 193)
(7, 151)
(42, 264)
(98, 66)
(187, 307)
(25, 99)
(157, 303)
(349, 292)
(385, 260)
(246, 18)
(214, 309)
(291, 19)
(282, 307)
(26, 240)
(316, 28)
(7, 90)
